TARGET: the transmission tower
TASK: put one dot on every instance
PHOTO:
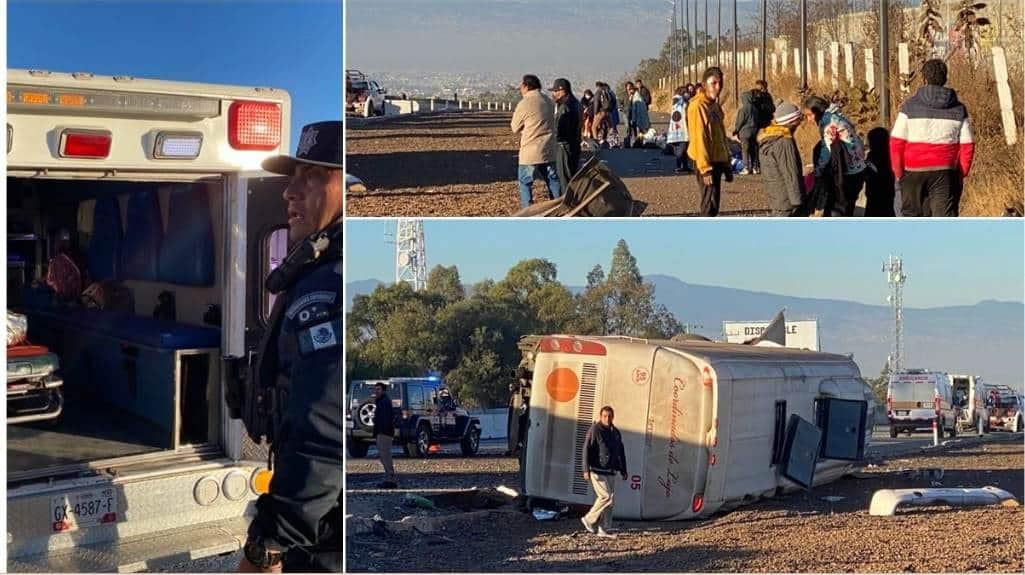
(411, 254)
(895, 277)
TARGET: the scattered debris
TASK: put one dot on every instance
(507, 491)
(544, 514)
(832, 498)
(411, 500)
(886, 501)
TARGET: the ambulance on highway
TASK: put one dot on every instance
(707, 426)
(149, 194)
(918, 398)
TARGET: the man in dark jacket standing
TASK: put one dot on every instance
(604, 456)
(745, 132)
(384, 433)
(567, 126)
(931, 147)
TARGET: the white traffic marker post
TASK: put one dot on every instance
(978, 425)
(936, 431)
(904, 63)
(797, 62)
(1004, 92)
(848, 56)
(786, 61)
(772, 64)
(821, 66)
(432, 104)
(870, 69)
(834, 63)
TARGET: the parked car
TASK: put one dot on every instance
(426, 414)
(1004, 408)
(363, 96)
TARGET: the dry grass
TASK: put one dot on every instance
(995, 185)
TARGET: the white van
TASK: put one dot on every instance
(154, 189)
(969, 396)
(706, 426)
(915, 398)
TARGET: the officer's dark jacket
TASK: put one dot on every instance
(303, 508)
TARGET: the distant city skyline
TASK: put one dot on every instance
(949, 263)
(586, 40)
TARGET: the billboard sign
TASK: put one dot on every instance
(802, 334)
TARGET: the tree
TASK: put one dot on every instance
(479, 379)
(533, 283)
(623, 303)
(881, 384)
(930, 29)
(968, 29)
(444, 282)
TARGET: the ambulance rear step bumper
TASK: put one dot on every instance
(150, 552)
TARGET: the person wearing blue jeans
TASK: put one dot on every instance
(534, 121)
(547, 173)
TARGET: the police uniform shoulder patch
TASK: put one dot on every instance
(323, 335)
(308, 300)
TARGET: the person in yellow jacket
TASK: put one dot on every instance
(708, 148)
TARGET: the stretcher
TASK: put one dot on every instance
(33, 386)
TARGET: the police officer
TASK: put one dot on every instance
(298, 525)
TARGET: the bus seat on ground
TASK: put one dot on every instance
(142, 236)
(187, 252)
(106, 243)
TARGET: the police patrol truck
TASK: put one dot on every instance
(148, 194)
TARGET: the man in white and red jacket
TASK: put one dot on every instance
(931, 147)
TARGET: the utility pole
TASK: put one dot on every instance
(718, 33)
(706, 33)
(884, 62)
(690, 50)
(411, 254)
(895, 277)
(736, 72)
(804, 46)
(765, 35)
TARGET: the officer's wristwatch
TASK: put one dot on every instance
(258, 554)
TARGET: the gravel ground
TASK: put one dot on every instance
(799, 532)
(464, 164)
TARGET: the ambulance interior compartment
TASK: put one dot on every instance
(133, 384)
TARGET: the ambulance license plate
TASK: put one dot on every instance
(78, 509)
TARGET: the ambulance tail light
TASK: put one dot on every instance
(177, 145)
(260, 481)
(697, 503)
(254, 125)
(85, 143)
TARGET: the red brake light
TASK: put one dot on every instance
(254, 125)
(85, 144)
(698, 503)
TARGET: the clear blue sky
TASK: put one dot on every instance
(290, 44)
(948, 262)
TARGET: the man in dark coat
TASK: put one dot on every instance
(781, 162)
(567, 125)
(384, 433)
(745, 132)
(604, 457)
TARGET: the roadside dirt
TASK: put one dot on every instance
(795, 533)
(464, 164)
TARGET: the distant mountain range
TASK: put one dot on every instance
(986, 338)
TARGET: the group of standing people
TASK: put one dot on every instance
(929, 151)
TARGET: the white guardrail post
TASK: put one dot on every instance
(1004, 92)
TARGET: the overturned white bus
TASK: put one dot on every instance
(707, 426)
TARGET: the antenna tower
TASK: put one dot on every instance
(895, 277)
(411, 254)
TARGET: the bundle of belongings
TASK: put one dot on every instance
(33, 387)
(594, 191)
